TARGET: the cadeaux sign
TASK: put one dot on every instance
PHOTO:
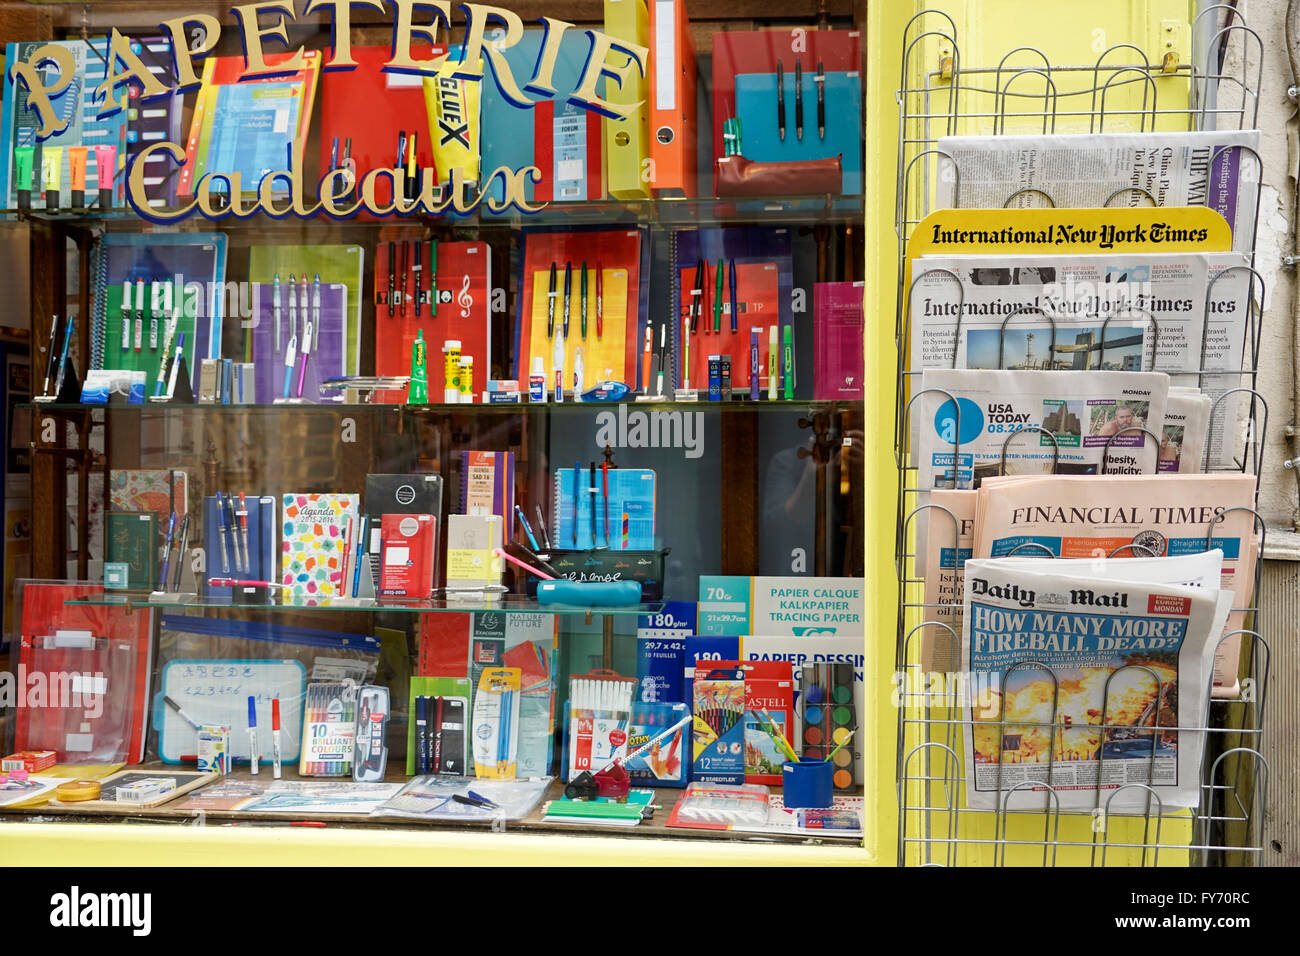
(47, 74)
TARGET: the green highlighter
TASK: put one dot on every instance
(23, 158)
(717, 300)
(788, 363)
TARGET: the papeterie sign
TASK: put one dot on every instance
(47, 76)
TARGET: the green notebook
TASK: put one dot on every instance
(602, 810)
(133, 541)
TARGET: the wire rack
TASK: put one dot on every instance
(1025, 92)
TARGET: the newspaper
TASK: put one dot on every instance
(1228, 333)
(1084, 297)
(1058, 722)
(1083, 411)
(941, 562)
(1080, 516)
(1182, 440)
(1084, 170)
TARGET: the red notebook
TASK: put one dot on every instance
(408, 544)
(464, 281)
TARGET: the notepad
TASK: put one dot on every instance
(631, 509)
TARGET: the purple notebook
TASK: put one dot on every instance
(326, 359)
(837, 311)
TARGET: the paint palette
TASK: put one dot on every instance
(827, 717)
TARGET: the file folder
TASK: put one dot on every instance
(672, 101)
(627, 141)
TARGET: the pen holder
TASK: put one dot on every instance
(251, 595)
(807, 784)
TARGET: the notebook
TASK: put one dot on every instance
(631, 509)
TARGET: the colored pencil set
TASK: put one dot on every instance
(719, 705)
(328, 730)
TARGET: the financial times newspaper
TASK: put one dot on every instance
(1117, 664)
(1131, 516)
(1084, 170)
(1084, 411)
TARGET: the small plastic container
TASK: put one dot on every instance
(807, 784)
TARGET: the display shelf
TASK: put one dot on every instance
(486, 410)
(509, 604)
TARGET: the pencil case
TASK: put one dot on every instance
(741, 177)
(589, 593)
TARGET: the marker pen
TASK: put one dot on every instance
(176, 364)
(754, 332)
(138, 336)
(77, 168)
(254, 755)
(51, 175)
(23, 157)
(275, 737)
(788, 370)
(126, 315)
(773, 367)
(105, 169)
(155, 308)
(557, 368)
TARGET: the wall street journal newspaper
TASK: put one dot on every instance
(1117, 664)
(1084, 170)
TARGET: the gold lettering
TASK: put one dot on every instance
(119, 51)
(38, 94)
(138, 196)
(368, 194)
(185, 75)
(541, 83)
(254, 55)
(328, 191)
(341, 44)
(477, 16)
(207, 199)
(513, 183)
(596, 67)
(403, 27)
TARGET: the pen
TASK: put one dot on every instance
(577, 478)
(418, 269)
(731, 282)
(773, 368)
(184, 716)
(180, 552)
(604, 486)
(780, 99)
(139, 314)
(550, 306)
(422, 734)
(392, 276)
(483, 800)
(500, 553)
(600, 300)
(686, 354)
(645, 358)
(583, 285)
(663, 355)
(592, 489)
(356, 570)
(243, 533)
(242, 583)
(221, 534)
(176, 365)
(798, 99)
(433, 277)
(568, 284)
(232, 525)
(68, 324)
(412, 173)
(155, 307)
(253, 754)
(541, 523)
(126, 315)
(308, 335)
(49, 354)
(275, 737)
(820, 80)
(315, 310)
(754, 332)
(167, 552)
(788, 370)
(697, 295)
(401, 151)
(334, 154)
(717, 301)
(401, 298)
(523, 522)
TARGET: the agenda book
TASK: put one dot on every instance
(487, 483)
(250, 126)
(313, 541)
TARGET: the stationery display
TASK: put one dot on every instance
(612, 508)
(437, 737)
(299, 337)
(337, 265)
(239, 539)
(496, 722)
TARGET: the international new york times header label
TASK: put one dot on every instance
(48, 72)
(1103, 236)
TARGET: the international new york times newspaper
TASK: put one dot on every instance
(1118, 664)
(1130, 516)
(1084, 411)
(1084, 170)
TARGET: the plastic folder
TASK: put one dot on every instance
(627, 141)
(672, 100)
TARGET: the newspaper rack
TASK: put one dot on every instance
(939, 95)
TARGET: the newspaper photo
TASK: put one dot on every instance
(1088, 414)
(1080, 681)
(1087, 312)
(1085, 170)
(1130, 516)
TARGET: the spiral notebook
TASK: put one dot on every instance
(631, 508)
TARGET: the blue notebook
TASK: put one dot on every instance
(631, 510)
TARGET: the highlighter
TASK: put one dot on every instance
(418, 393)
(51, 175)
(754, 332)
(772, 365)
(105, 163)
(412, 172)
(77, 171)
(788, 363)
(23, 156)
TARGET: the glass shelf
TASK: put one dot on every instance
(683, 213)
(508, 604)
(477, 408)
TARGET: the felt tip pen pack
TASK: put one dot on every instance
(599, 715)
(437, 731)
(496, 723)
(667, 762)
(329, 729)
(371, 753)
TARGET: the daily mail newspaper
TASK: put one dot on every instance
(1096, 307)
(1084, 170)
(1057, 723)
(1130, 516)
(1083, 410)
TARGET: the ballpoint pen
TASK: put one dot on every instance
(49, 355)
(820, 80)
(167, 552)
(582, 282)
(550, 306)
(604, 490)
(221, 535)
(541, 523)
(798, 99)
(418, 268)
(717, 301)
(293, 315)
(645, 359)
(233, 525)
(780, 99)
(731, 282)
(126, 315)
(568, 287)
(180, 552)
(577, 500)
(139, 314)
(334, 154)
(243, 533)
(307, 334)
(412, 171)
(663, 356)
(275, 308)
(401, 151)
(401, 288)
(68, 325)
(155, 306)
(697, 293)
(600, 300)
(523, 523)
(291, 352)
(433, 277)
(315, 310)
(593, 489)
(255, 755)
(176, 364)
(392, 276)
